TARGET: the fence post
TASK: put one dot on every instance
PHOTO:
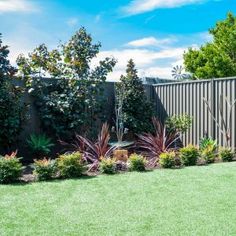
(213, 97)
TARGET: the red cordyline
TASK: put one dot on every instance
(100, 148)
(152, 145)
(93, 151)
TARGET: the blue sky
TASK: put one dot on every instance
(155, 33)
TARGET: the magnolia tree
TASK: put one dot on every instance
(73, 101)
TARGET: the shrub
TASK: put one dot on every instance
(209, 154)
(94, 151)
(40, 144)
(108, 166)
(205, 142)
(226, 154)
(152, 145)
(44, 169)
(137, 162)
(179, 123)
(10, 168)
(189, 155)
(167, 159)
(71, 165)
(208, 148)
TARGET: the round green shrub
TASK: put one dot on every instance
(209, 154)
(44, 169)
(226, 154)
(167, 159)
(10, 169)
(189, 155)
(71, 165)
(137, 162)
(108, 166)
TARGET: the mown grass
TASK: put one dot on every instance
(189, 201)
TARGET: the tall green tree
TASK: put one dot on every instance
(137, 110)
(217, 58)
(11, 109)
(72, 101)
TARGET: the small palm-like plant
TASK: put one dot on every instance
(152, 145)
(40, 144)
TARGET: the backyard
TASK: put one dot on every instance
(136, 139)
(189, 201)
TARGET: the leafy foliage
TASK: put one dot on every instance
(10, 168)
(44, 169)
(40, 144)
(137, 110)
(169, 160)
(189, 155)
(207, 141)
(218, 58)
(209, 153)
(108, 166)
(94, 151)
(11, 109)
(226, 154)
(152, 145)
(71, 165)
(179, 123)
(137, 162)
(72, 101)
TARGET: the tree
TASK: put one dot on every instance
(137, 110)
(71, 101)
(11, 109)
(217, 58)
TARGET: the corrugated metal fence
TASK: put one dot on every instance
(188, 98)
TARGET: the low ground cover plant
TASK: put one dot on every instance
(44, 169)
(71, 165)
(10, 168)
(189, 155)
(137, 162)
(108, 166)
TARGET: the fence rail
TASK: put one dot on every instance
(188, 98)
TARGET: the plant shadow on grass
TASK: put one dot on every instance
(56, 180)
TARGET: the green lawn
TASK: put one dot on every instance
(189, 201)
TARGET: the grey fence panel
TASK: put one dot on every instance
(188, 98)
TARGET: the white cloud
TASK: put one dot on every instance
(150, 41)
(153, 61)
(140, 6)
(147, 61)
(72, 22)
(16, 6)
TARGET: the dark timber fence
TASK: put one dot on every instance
(188, 98)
